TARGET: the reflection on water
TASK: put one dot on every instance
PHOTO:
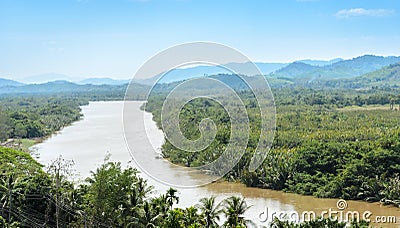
(101, 132)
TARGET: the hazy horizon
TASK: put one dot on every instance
(78, 78)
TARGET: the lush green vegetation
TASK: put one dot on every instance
(324, 222)
(320, 147)
(35, 117)
(110, 197)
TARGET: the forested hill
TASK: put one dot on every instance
(295, 70)
(303, 73)
(388, 76)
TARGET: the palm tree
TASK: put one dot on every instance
(371, 190)
(398, 101)
(235, 207)
(9, 189)
(135, 198)
(210, 211)
(143, 188)
(171, 196)
(159, 205)
(148, 217)
(3, 194)
(174, 219)
(392, 101)
(191, 217)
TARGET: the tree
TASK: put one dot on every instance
(171, 197)
(4, 126)
(191, 218)
(392, 102)
(132, 208)
(148, 218)
(60, 169)
(20, 130)
(34, 129)
(210, 211)
(235, 207)
(174, 219)
(10, 189)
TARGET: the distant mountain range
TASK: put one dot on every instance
(49, 77)
(102, 81)
(300, 72)
(59, 87)
(174, 75)
(181, 74)
(320, 62)
(360, 72)
(8, 82)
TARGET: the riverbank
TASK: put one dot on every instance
(21, 144)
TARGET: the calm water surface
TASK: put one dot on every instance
(100, 132)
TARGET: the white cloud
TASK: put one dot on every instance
(359, 12)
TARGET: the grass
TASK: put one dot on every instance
(26, 143)
(365, 108)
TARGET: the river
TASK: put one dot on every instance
(100, 132)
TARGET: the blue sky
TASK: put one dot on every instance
(112, 38)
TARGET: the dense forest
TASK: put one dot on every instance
(35, 117)
(328, 143)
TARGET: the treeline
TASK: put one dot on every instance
(336, 97)
(33, 117)
(323, 145)
(111, 197)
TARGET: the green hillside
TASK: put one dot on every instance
(295, 70)
(304, 73)
(386, 77)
